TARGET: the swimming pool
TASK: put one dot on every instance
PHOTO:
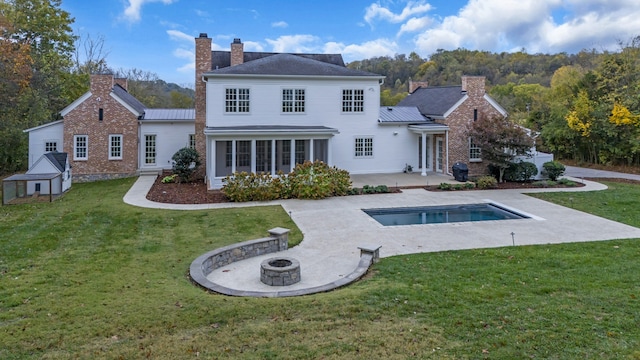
(442, 214)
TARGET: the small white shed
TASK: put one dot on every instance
(47, 179)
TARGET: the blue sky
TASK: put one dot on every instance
(157, 35)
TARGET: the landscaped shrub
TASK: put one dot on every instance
(487, 182)
(444, 186)
(553, 170)
(469, 185)
(367, 189)
(520, 171)
(169, 179)
(317, 180)
(244, 186)
(186, 161)
(566, 182)
(544, 183)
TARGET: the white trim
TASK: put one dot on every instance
(123, 103)
(455, 106)
(111, 136)
(43, 126)
(364, 147)
(75, 104)
(495, 104)
(75, 149)
(293, 101)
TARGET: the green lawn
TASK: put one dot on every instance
(90, 277)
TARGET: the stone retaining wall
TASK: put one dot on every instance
(206, 263)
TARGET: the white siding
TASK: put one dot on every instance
(39, 136)
(170, 137)
(323, 107)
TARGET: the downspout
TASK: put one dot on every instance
(446, 134)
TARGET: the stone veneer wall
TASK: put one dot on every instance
(203, 64)
(117, 120)
(278, 241)
(459, 120)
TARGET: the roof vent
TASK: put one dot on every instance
(463, 92)
(389, 108)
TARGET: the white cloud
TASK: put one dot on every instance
(201, 13)
(253, 46)
(377, 11)
(134, 8)
(294, 44)
(366, 50)
(538, 26)
(180, 36)
(414, 24)
(279, 24)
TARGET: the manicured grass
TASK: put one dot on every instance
(90, 277)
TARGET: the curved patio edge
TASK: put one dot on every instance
(203, 265)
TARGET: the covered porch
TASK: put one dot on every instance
(433, 147)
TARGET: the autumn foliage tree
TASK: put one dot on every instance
(500, 140)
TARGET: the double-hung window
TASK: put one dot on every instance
(475, 153)
(352, 100)
(80, 147)
(115, 147)
(293, 100)
(192, 141)
(364, 147)
(236, 100)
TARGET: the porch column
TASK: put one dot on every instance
(233, 156)
(446, 143)
(424, 153)
(293, 154)
(273, 157)
(311, 141)
(253, 156)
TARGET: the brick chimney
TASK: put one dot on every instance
(123, 82)
(473, 85)
(101, 84)
(415, 85)
(237, 52)
(203, 64)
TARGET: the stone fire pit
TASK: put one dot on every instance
(282, 271)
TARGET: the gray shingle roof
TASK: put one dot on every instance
(58, 159)
(128, 98)
(291, 65)
(433, 101)
(222, 59)
(170, 114)
(400, 114)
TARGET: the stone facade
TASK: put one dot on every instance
(203, 64)
(116, 120)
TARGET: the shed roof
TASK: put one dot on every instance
(400, 114)
(170, 114)
(31, 177)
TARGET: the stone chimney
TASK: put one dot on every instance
(237, 52)
(123, 82)
(415, 85)
(473, 85)
(203, 64)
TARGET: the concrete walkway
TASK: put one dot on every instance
(334, 228)
(578, 172)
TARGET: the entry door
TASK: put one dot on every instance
(439, 155)
(428, 139)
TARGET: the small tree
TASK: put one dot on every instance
(186, 161)
(499, 140)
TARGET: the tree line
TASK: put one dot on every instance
(585, 106)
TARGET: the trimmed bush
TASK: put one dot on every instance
(553, 170)
(444, 186)
(185, 163)
(307, 181)
(487, 182)
(520, 171)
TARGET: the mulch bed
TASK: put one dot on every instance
(197, 193)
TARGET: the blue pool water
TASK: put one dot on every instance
(442, 214)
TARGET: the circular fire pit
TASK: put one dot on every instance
(280, 271)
